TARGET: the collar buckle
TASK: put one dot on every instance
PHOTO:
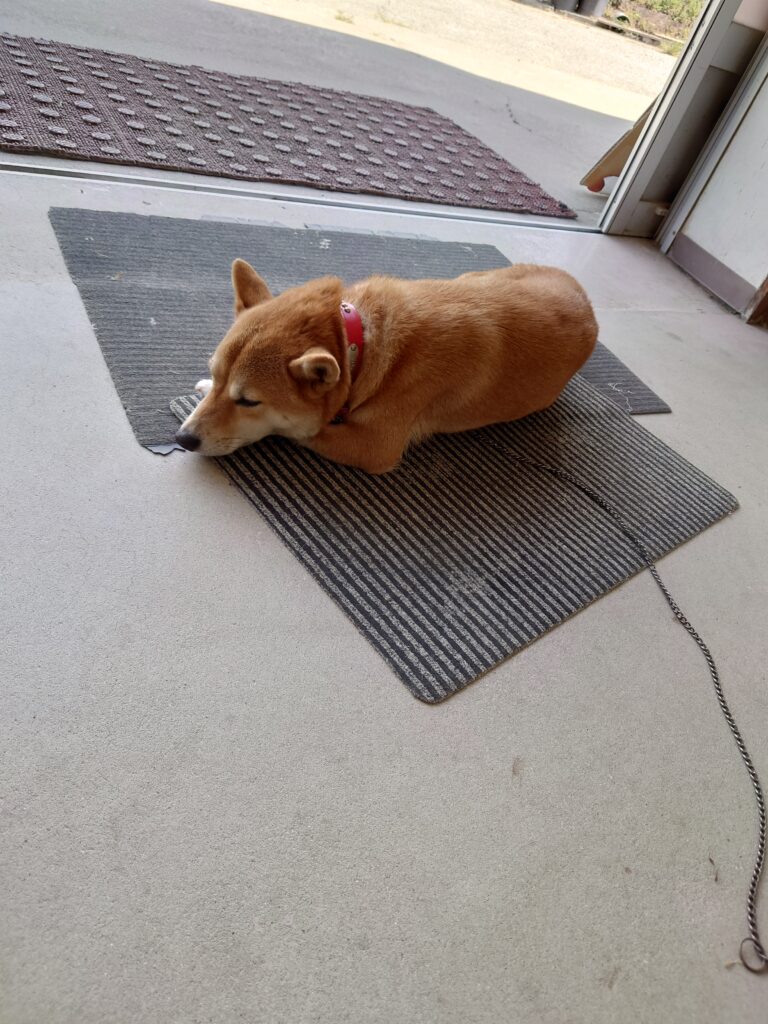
(353, 326)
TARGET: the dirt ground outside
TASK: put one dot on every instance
(523, 46)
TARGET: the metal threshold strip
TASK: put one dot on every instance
(178, 181)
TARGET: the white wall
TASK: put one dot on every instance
(730, 219)
(754, 14)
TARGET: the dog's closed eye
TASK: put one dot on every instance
(246, 402)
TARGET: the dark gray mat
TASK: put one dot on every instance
(158, 293)
(617, 382)
(461, 557)
(86, 104)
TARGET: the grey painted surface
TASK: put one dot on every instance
(711, 272)
(215, 811)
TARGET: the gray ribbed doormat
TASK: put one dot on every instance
(158, 292)
(86, 104)
(461, 557)
(615, 381)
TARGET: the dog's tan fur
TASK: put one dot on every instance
(439, 357)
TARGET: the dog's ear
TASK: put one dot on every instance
(318, 367)
(249, 288)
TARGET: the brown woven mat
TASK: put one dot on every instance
(69, 101)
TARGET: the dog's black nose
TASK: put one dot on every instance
(188, 441)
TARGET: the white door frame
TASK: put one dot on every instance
(726, 127)
(627, 212)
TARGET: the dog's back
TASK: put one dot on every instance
(485, 347)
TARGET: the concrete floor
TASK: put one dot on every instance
(219, 805)
(553, 141)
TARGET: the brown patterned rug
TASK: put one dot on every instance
(86, 104)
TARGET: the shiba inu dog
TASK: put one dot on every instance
(359, 373)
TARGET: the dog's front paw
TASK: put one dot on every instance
(203, 387)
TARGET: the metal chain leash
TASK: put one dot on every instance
(761, 957)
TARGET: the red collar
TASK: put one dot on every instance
(355, 338)
(353, 325)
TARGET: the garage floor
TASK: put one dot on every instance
(219, 804)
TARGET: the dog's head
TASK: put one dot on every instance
(280, 369)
